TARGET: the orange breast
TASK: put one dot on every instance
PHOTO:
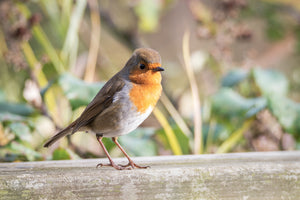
(145, 95)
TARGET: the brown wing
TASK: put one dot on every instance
(101, 101)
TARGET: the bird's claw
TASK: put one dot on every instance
(132, 165)
(118, 167)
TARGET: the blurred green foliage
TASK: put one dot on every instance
(78, 92)
(230, 108)
(39, 52)
(61, 154)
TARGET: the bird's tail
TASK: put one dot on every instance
(60, 134)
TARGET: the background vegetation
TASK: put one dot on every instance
(231, 83)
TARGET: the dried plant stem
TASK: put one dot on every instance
(175, 115)
(40, 79)
(227, 145)
(70, 47)
(3, 46)
(94, 42)
(34, 64)
(198, 143)
(174, 144)
(42, 38)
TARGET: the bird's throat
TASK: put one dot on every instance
(144, 95)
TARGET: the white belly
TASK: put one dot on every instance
(129, 124)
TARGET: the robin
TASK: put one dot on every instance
(122, 104)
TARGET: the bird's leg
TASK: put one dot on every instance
(130, 163)
(111, 162)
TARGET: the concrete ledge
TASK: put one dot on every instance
(272, 175)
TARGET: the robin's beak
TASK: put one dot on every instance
(158, 69)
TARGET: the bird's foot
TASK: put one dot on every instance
(112, 164)
(132, 165)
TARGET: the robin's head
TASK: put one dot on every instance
(144, 66)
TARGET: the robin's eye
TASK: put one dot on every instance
(142, 66)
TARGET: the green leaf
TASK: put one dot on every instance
(10, 117)
(139, 142)
(181, 138)
(275, 28)
(214, 133)
(19, 109)
(78, 92)
(297, 35)
(298, 146)
(270, 82)
(168, 132)
(236, 136)
(227, 104)
(109, 144)
(49, 71)
(21, 149)
(148, 14)
(234, 77)
(22, 131)
(7, 156)
(287, 112)
(2, 96)
(61, 154)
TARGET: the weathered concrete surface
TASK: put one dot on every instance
(245, 176)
